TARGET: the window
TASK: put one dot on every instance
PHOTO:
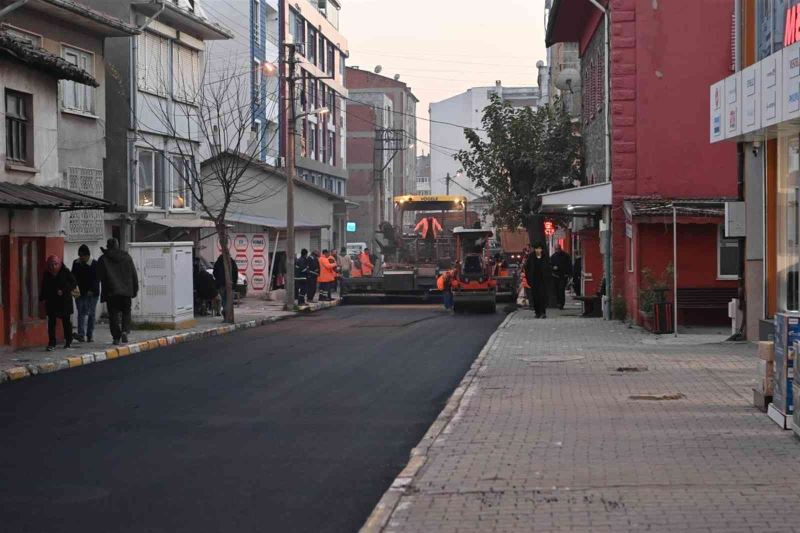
(339, 188)
(332, 148)
(257, 21)
(257, 104)
(311, 46)
(185, 73)
(76, 96)
(19, 128)
(183, 177)
(30, 257)
(629, 252)
(22, 35)
(322, 53)
(300, 32)
(312, 140)
(331, 60)
(152, 59)
(727, 256)
(149, 179)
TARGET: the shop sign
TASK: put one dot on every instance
(733, 105)
(751, 108)
(549, 228)
(771, 90)
(717, 111)
(791, 31)
(258, 282)
(240, 243)
(258, 242)
(259, 263)
(241, 262)
(791, 82)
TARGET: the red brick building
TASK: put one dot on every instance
(381, 149)
(643, 121)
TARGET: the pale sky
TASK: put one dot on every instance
(443, 47)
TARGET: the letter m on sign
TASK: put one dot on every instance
(790, 32)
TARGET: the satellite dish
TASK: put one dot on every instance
(396, 77)
(568, 79)
(378, 69)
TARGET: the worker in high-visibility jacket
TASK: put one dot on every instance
(444, 283)
(366, 263)
(429, 228)
(327, 276)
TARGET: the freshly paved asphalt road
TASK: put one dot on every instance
(297, 426)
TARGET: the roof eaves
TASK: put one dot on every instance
(96, 16)
(43, 60)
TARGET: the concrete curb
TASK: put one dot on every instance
(379, 518)
(34, 369)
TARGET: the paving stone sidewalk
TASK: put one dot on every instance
(544, 435)
(249, 312)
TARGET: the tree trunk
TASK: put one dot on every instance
(535, 227)
(227, 312)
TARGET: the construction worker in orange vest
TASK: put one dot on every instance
(366, 262)
(327, 276)
(429, 228)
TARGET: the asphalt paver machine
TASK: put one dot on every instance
(474, 286)
(411, 263)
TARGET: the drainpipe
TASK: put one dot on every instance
(13, 7)
(606, 104)
(129, 220)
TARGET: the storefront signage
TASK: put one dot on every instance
(791, 32)
(549, 228)
(771, 90)
(351, 227)
(717, 111)
(258, 282)
(240, 243)
(791, 82)
(751, 108)
(259, 263)
(241, 262)
(733, 105)
(258, 242)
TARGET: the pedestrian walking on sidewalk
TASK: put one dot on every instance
(58, 285)
(301, 277)
(561, 263)
(327, 276)
(313, 276)
(219, 277)
(538, 276)
(84, 268)
(119, 284)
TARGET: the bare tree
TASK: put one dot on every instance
(207, 117)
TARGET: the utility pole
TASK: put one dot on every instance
(290, 172)
(447, 183)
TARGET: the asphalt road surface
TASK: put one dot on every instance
(298, 426)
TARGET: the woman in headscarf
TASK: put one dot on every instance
(57, 286)
(538, 276)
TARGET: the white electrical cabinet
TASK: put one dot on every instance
(166, 292)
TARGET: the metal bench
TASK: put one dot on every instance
(706, 298)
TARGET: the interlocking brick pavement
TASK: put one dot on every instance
(546, 438)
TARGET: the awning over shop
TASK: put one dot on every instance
(29, 196)
(586, 199)
(271, 222)
(656, 207)
(180, 222)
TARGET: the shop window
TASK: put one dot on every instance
(787, 223)
(727, 256)
(30, 262)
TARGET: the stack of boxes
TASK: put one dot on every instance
(765, 378)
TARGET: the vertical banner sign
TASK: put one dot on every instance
(717, 111)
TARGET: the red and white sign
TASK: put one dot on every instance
(258, 242)
(241, 262)
(259, 263)
(258, 282)
(549, 228)
(241, 243)
(791, 32)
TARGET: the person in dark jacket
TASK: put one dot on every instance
(538, 274)
(85, 271)
(57, 286)
(119, 285)
(219, 277)
(313, 276)
(301, 276)
(561, 263)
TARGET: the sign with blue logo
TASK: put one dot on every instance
(351, 227)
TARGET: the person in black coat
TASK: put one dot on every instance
(219, 277)
(538, 274)
(561, 262)
(301, 276)
(85, 271)
(119, 285)
(313, 274)
(57, 286)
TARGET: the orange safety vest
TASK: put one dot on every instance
(366, 264)
(326, 270)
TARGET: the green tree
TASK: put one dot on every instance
(524, 153)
